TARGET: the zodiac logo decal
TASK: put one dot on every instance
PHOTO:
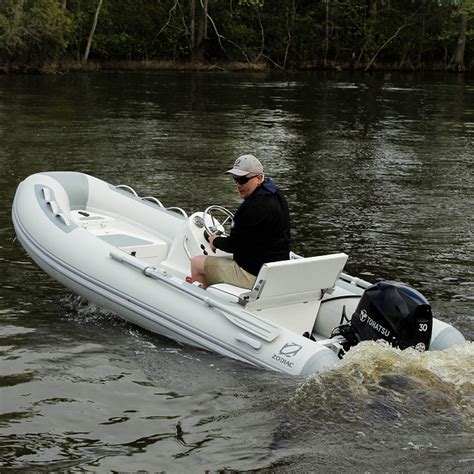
(290, 349)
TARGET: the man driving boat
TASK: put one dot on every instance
(260, 231)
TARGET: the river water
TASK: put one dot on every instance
(379, 166)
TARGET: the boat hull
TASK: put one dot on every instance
(83, 264)
(131, 257)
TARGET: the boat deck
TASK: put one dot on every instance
(123, 235)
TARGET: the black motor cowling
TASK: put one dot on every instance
(393, 312)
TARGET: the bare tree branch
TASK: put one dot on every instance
(163, 28)
(91, 34)
(273, 62)
(400, 28)
(290, 24)
(222, 37)
(262, 32)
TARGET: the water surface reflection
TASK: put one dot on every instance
(378, 166)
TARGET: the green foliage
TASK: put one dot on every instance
(252, 3)
(282, 33)
(132, 29)
(32, 31)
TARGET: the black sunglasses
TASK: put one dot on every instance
(244, 179)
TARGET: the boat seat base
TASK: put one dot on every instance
(122, 235)
(138, 247)
(288, 292)
(228, 292)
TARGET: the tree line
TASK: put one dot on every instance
(283, 34)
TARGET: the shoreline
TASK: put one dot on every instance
(71, 66)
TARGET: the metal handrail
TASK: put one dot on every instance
(153, 199)
(128, 188)
(177, 209)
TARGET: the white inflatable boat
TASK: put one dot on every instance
(132, 255)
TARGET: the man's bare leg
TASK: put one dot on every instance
(197, 270)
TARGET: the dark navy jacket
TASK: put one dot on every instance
(260, 231)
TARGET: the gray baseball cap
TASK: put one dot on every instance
(246, 164)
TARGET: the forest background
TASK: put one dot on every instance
(65, 35)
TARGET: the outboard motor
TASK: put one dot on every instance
(393, 312)
(390, 311)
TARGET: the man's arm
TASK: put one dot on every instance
(221, 243)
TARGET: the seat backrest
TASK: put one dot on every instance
(295, 281)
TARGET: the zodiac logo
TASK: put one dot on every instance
(290, 349)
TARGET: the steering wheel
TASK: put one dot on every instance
(212, 225)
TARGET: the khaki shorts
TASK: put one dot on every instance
(226, 270)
